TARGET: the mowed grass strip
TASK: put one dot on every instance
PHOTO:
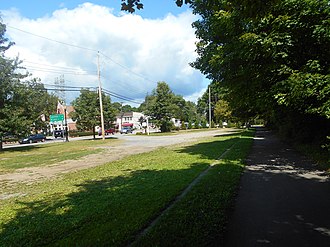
(47, 154)
(106, 205)
(200, 218)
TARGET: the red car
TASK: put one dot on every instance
(107, 131)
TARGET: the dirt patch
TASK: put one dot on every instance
(131, 145)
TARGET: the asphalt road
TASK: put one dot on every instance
(282, 200)
(139, 140)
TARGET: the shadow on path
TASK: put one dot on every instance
(282, 201)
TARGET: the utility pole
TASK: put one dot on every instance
(100, 95)
(210, 106)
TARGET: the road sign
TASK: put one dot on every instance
(56, 118)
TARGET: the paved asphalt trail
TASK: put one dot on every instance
(282, 200)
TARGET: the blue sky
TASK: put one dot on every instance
(137, 51)
(39, 8)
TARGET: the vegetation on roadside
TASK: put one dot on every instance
(47, 154)
(110, 204)
(200, 218)
(321, 155)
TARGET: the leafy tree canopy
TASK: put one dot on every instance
(163, 104)
(87, 110)
(270, 56)
(23, 103)
(130, 5)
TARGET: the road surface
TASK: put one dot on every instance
(282, 201)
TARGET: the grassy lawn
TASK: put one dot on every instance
(47, 154)
(109, 204)
(200, 218)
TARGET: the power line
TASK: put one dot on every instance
(72, 71)
(53, 40)
(53, 85)
(84, 48)
(126, 68)
(57, 67)
(122, 98)
(106, 91)
(123, 85)
(33, 68)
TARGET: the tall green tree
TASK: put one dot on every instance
(160, 106)
(87, 110)
(222, 111)
(272, 58)
(23, 103)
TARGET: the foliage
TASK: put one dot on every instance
(119, 107)
(87, 110)
(23, 103)
(159, 105)
(130, 5)
(163, 104)
(270, 57)
(222, 111)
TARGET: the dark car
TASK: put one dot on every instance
(126, 130)
(33, 138)
(58, 133)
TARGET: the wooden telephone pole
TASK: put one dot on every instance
(100, 94)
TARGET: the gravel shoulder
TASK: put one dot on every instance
(131, 144)
(282, 201)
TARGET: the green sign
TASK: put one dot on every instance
(56, 118)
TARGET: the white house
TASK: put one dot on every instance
(130, 119)
(176, 122)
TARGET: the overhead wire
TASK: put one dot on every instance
(53, 87)
(57, 67)
(84, 48)
(74, 73)
(53, 40)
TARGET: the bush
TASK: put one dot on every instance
(74, 133)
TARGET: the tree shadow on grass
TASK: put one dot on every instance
(22, 148)
(213, 150)
(97, 213)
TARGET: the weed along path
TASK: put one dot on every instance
(129, 145)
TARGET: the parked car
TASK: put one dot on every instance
(58, 133)
(107, 131)
(33, 138)
(126, 130)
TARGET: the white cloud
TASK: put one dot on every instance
(153, 49)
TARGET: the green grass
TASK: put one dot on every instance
(200, 218)
(109, 204)
(47, 154)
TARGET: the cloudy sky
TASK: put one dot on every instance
(63, 38)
